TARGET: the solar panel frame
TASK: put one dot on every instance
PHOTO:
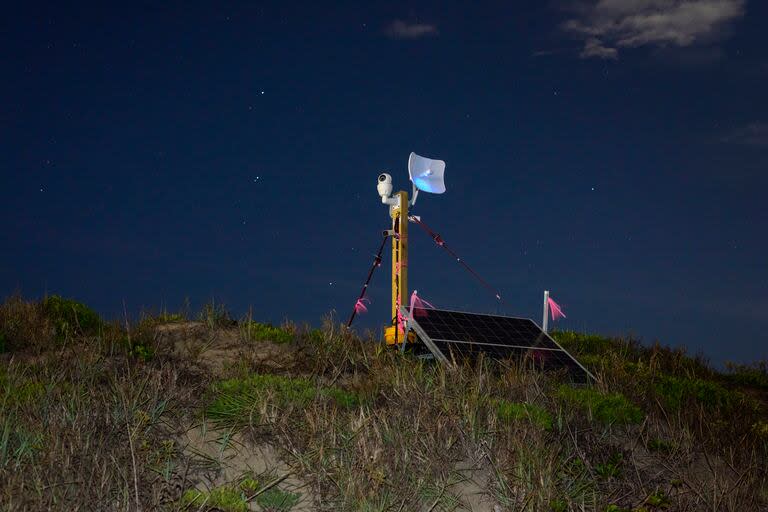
(544, 348)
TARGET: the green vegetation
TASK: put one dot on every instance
(225, 499)
(277, 500)
(249, 484)
(608, 408)
(170, 318)
(658, 499)
(660, 445)
(749, 375)
(676, 392)
(611, 468)
(256, 331)
(558, 505)
(510, 411)
(238, 401)
(215, 315)
(586, 343)
(70, 317)
(20, 391)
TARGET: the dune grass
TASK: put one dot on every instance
(88, 422)
(238, 401)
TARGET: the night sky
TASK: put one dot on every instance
(613, 152)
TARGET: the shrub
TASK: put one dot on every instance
(513, 411)
(754, 375)
(675, 392)
(608, 408)
(23, 324)
(70, 317)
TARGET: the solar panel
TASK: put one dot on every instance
(450, 334)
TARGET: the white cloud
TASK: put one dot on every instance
(400, 29)
(593, 47)
(607, 25)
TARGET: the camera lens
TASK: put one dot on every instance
(382, 177)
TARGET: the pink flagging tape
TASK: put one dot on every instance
(420, 304)
(360, 306)
(555, 310)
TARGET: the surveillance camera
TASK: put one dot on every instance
(385, 185)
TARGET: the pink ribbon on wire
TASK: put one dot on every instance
(360, 306)
(554, 309)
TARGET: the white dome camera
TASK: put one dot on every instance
(385, 185)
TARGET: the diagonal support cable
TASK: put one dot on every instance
(440, 242)
(376, 264)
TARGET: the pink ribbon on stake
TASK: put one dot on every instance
(400, 318)
(419, 303)
(555, 310)
(416, 302)
(360, 306)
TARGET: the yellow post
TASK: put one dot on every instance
(399, 214)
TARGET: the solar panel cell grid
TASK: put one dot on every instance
(465, 334)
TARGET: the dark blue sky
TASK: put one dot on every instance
(615, 153)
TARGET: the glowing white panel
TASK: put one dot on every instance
(427, 174)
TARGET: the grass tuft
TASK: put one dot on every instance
(608, 408)
(277, 500)
(237, 401)
(677, 392)
(215, 315)
(512, 411)
(257, 331)
(225, 499)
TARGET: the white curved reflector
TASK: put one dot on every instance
(427, 174)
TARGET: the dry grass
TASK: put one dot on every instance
(94, 423)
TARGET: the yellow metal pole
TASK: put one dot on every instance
(399, 214)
